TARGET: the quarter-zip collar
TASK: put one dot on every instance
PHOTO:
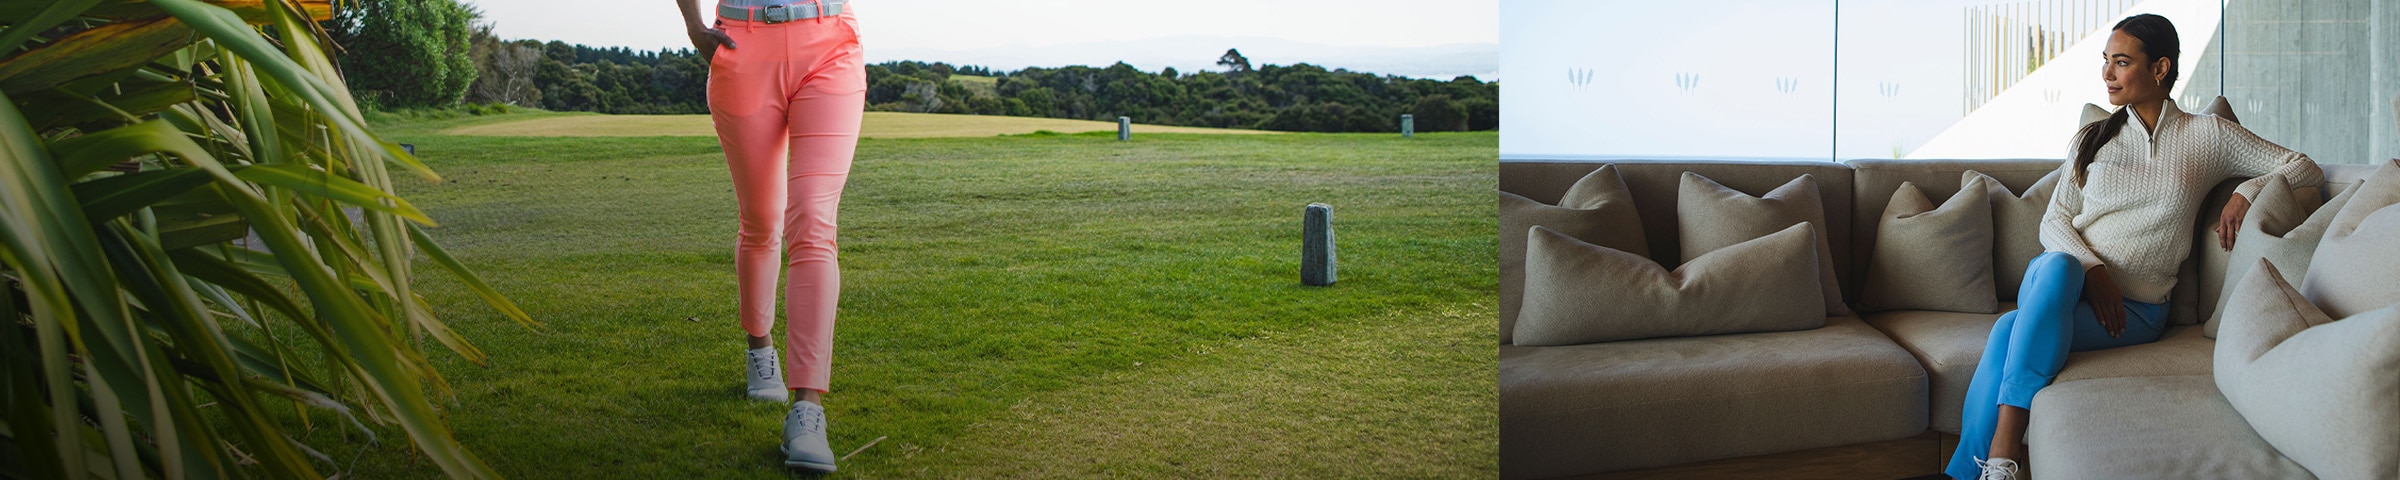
(2148, 135)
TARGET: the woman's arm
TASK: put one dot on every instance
(2244, 154)
(704, 39)
(2059, 234)
(2247, 155)
(2058, 221)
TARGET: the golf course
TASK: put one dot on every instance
(1022, 298)
(877, 125)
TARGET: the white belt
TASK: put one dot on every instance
(783, 13)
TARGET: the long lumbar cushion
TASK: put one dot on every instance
(1709, 216)
(1576, 292)
(1597, 209)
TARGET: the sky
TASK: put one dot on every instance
(1426, 38)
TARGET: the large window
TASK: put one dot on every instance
(1830, 80)
(2319, 76)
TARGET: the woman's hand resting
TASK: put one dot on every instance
(2108, 304)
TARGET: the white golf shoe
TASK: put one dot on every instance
(804, 442)
(766, 376)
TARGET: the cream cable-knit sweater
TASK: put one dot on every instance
(2136, 212)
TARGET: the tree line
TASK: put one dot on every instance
(432, 53)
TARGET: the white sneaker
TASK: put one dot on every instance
(766, 376)
(804, 444)
(1999, 469)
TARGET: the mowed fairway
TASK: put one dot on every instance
(1013, 307)
(877, 125)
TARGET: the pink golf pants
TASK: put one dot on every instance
(787, 101)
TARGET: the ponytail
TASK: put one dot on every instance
(2093, 139)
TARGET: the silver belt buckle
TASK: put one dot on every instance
(776, 13)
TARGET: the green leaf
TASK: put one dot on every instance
(474, 282)
(303, 179)
(378, 355)
(116, 196)
(107, 48)
(22, 29)
(229, 31)
(221, 273)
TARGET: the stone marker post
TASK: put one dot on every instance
(1124, 128)
(1316, 249)
(1408, 126)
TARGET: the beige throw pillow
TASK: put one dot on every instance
(2093, 113)
(2016, 228)
(1929, 258)
(2222, 109)
(2279, 228)
(2320, 390)
(1710, 216)
(1576, 292)
(2355, 266)
(1597, 209)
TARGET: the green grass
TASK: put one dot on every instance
(1026, 306)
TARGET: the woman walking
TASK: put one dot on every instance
(787, 89)
(2112, 235)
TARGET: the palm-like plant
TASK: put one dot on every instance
(139, 139)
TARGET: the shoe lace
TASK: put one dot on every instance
(809, 419)
(763, 365)
(1996, 469)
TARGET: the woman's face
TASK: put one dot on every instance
(2131, 75)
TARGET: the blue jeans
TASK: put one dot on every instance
(2029, 346)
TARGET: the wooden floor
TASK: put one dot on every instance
(1921, 456)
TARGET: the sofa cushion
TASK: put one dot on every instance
(1597, 209)
(2320, 389)
(1875, 180)
(2016, 229)
(2279, 227)
(1644, 403)
(1710, 216)
(2352, 269)
(2203, 268)
(1929, 258)
(2092, 112)
(1656, 184)
(1950, 345)
(2222, 109)
(2181, 350)
(2146, 427)
(1576, 292)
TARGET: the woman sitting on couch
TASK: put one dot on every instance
(2113, 238)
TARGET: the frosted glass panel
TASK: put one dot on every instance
(1719, 79)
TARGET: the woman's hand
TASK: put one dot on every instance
(2108, 304)
(2229, 223)
(705, 40)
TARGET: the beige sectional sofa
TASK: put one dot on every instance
(2149, 411)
